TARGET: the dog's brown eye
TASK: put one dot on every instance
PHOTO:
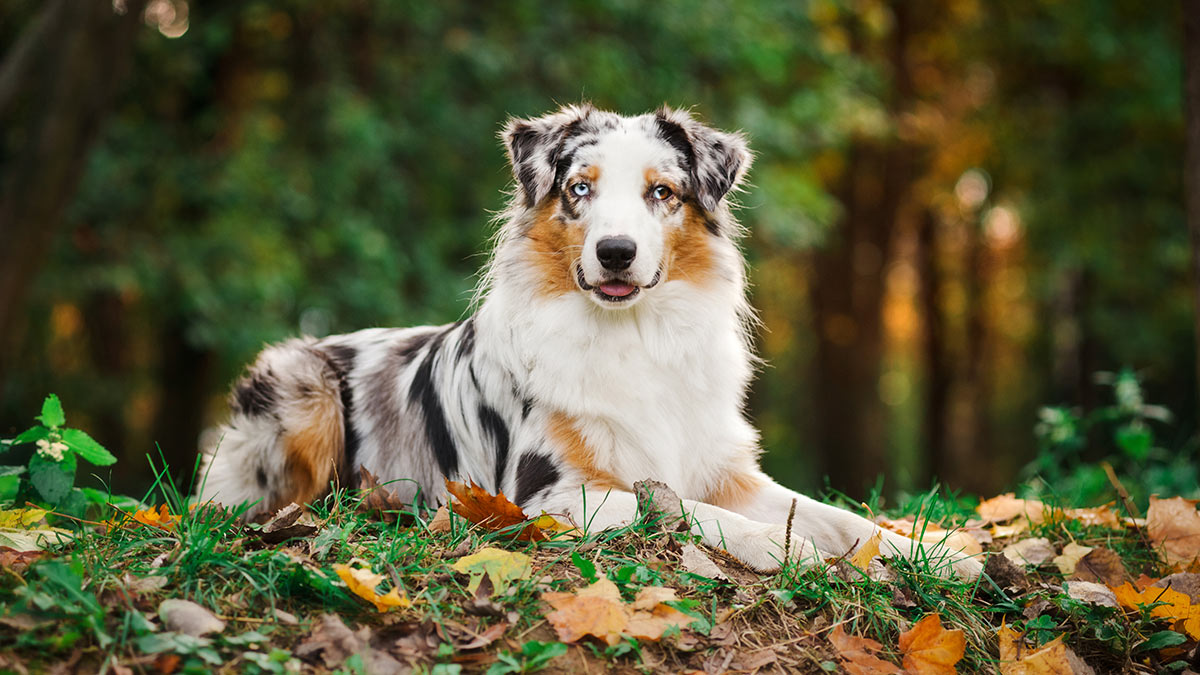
(661, 192)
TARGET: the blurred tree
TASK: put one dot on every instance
(1191, 175)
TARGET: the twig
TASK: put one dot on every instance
(787, 545)
(1121, 491)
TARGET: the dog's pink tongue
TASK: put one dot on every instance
(616, 290)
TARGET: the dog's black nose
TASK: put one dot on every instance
(615, 253)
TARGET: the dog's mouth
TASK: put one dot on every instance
(614, 290)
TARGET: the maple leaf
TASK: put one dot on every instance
(496, 512)
(363, 583)
(162, 518)
(501, 567)
(858, 654)
(1052, 658)
(1174, 526)
(1170, 604)
(598, 610)
(930, 649)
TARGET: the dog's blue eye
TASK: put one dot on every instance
(662, 193)
(581, 189)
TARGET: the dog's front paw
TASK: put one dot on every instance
(766, 549)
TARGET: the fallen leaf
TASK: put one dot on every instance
(441, 520)
(21, 518)
(18, 561)
(33, 540)
(463, 638)
(1174, 526)
(1100, 516)
(1013, 529)
(363, 583)
(1034, 551)
(1052, 658)
(1101, 565)
(1006, 507)
(968, 540)
(597, 610)
(697, 562)
(501, 567)
(1007, 574)
(491, 512)
(870, 549)
(1070, 557)
(930, 649)
(1187, 583)
(657, 499)
(185, 616)
(333, 640)
(161, 518)
(286, 524)
(380, 500)
(1171, 605)
(858, 654)
(1091, 593)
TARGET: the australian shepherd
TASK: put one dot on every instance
(610, 345)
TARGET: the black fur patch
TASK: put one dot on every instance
(256, 395)
(535, 472)
(425, 394)
(341, 359)
(677, 138)
(526, 408)
(466, 341)
(262, 477)
(495, 427)
(408, 351)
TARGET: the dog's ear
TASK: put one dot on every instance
(716, 160)
(534, 145)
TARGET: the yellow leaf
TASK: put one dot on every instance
(1070, 557)
(1052, 658)
(1171, 604)
(20, 518)
(930, 649)
(363, 583)
(862, 557)
(502, 567)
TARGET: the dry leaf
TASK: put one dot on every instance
(185, 616)
(1014, 528)
(333, 640)
(1172, 605)
(1007, 574)
(1102, 516)
(930, 649)
(380, 500)
(496, 512)
(1034, 551)
(1091, 593)
(1187, 583)
(363, 583)
(1006, 507)
(441, 520)
(1053, 658)
(1174, 526)
(967, 540)
(1071, 555)
(1101, 565)
(286, 524)
(18, 561)
(858, 654)
(862, 557)
(597, 610)
(501, 567)
(695, 561)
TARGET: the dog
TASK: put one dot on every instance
(610, 344)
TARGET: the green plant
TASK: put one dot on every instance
(1075, 445)
(49, 477)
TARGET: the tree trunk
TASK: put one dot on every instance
(183, 384)
(1191, 172)
(938, 372)
(57, 84)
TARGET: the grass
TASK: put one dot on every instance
(93, 601)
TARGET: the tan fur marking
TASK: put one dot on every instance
(590, 173)
(689, 257)
(653, 177)
(314, 451)
(555, 245)
(575, 451)
(735, 488)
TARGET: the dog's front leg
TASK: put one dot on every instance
(833, 529)
(760, 546)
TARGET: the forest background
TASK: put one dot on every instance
(960, 211)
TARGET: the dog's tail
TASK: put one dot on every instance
(286, 439)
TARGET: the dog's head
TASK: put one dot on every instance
(615, 206)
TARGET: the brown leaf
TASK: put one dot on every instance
(1174, 526)
(1008, 575)
(285, 525)
(858, 654)
(930, 649)
(1091, 593)
(380, 500)
(463, 638)
(333, 641)
(658, 499)
(597, 610)
(491, 512)
(1007, 507)
(1034, 551)
(968, 540)
(1071, 555)
(441, 520)
(1187, 583)
(1101, 565)
(1053, 658)
(18, 561)
(697, 562)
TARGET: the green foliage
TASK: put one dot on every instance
(1072, 445)
(49, 476)
(534, 656)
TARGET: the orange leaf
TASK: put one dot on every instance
(858, 654)
(363, 583)
(1172, 605)
(925, 531)
(1053, 658)
(930, 649)
(491, 512)
(862, 557)
(1007, 507)
(161, 518)
(597, 610)
(1174, 525)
